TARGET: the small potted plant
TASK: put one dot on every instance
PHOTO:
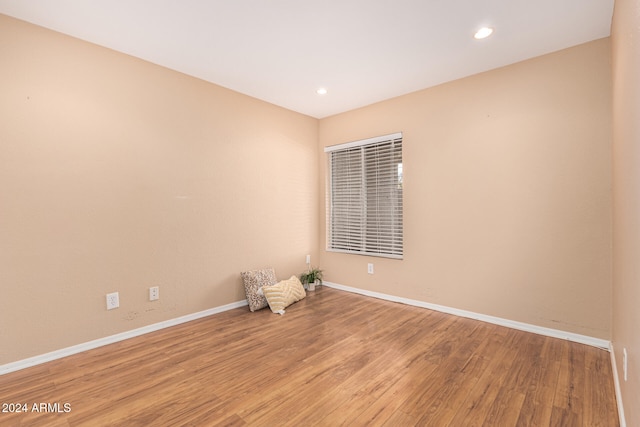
(312, 278)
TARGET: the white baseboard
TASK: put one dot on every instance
(616, 383)
(58, 354)
(555, 333)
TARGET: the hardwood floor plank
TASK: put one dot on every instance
(508, 403)
(334, 358)
(384, 409)
(543, 381)
(598, 409)
(497, 357)
(361, 392)
(568, 395)
(442, 390)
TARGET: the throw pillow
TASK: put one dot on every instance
(253, 281)
(283, 294)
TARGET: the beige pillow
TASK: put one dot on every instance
(283, 294)
(253, 281)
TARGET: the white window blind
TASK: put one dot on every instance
(365, 197)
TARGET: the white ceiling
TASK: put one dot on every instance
(362, 51)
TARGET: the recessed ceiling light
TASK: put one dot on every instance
(321, 91)
(483, 33)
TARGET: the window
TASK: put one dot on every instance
(365, 197)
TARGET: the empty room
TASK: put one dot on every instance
(320, 213)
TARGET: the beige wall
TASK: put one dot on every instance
(117, 175)
(625, 35)
(507, 192)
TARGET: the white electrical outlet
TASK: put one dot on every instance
(113, 301)
(370, 268)
(154, 293)
(624, 362)
(308, 259)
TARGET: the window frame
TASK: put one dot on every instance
(377, 231)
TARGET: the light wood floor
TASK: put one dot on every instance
(334, 358)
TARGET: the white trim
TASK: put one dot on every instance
(343, 251)
(362, 142)
(68, 351)
(616, 383)
(555, 333)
